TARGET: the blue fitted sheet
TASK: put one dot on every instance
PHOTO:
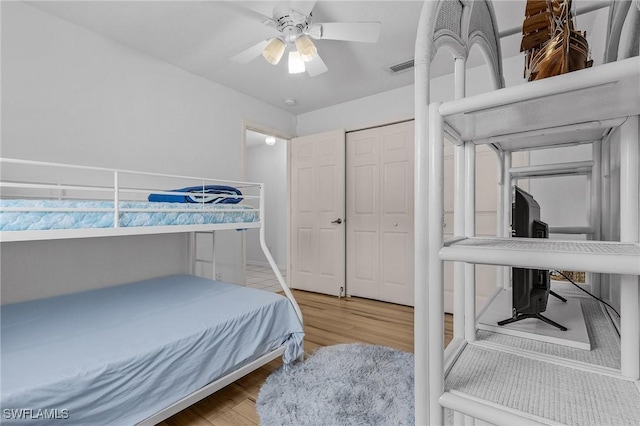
(197, 214)
(120, 354)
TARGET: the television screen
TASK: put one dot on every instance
(530, 287)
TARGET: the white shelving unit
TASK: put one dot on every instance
(581, 107)
(589, 256)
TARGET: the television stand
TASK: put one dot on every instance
(553, 293)
(519, 316)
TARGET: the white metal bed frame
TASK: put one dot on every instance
(462, 120)
(115, 193)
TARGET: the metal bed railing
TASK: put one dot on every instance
(37, 180)
(34, 180)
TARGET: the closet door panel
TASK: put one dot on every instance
(303, 192)
(326, 260)
(305, 252)
(363, 216)
(380, 213)
(396, 221)
(396, 268)
(304, 226)
(362, 269)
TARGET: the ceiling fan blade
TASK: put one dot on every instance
(366, 32)
(250, 54)
(316, 66)
(256, 12)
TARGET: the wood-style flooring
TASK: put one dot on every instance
(328, 321)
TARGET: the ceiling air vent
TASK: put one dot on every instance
(402, 66)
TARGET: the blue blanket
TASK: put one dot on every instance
(120, 354)
(200, 194)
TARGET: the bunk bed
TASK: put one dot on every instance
(139, 352)
(511, 382)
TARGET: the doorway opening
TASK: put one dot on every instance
(265, 161)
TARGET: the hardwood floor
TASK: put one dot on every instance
(328, 321)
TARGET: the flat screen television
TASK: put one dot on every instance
(530, 287)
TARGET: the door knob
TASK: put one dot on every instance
(337, 221)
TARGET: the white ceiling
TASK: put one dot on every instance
(201, 36)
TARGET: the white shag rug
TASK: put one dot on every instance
(350, 384)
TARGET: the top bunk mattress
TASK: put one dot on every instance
(38, 215)
(121, 354)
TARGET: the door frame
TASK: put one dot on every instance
(280, 134)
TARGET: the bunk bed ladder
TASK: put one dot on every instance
(194, 259)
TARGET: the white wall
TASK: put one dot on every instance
(70, 95)
(268, 164)
(563, 200)
(382, 108)
(398, 104)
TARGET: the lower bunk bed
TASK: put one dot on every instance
(123, 354)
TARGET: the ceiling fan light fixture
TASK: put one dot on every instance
(296, 64)
(306, 48)
(274, 50)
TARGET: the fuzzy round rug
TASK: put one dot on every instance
(351, 384)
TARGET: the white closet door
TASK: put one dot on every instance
(380, 213)
(317, 212)
(363, 213)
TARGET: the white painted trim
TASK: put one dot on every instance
(551, 254)
(435, 269)
(603, 74)
(451, 353)
(266, 130)
(459, 200)
(555, 169)
(629, 228)
(470, 231)
(490, 411)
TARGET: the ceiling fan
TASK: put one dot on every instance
(293, 20)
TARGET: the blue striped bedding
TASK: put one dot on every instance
(195, 214)
(214, 194)
(118, 355)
